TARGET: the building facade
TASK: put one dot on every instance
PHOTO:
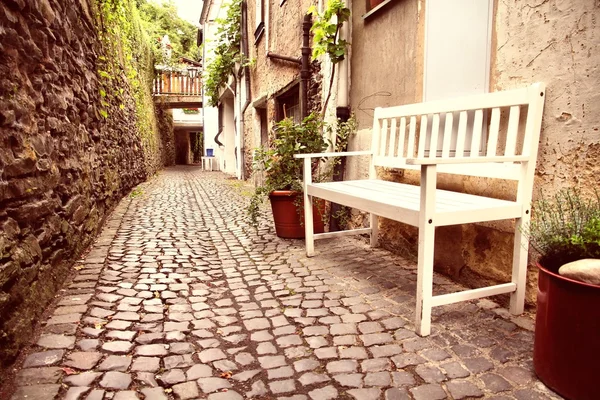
(408, 51)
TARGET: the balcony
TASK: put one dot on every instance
(178, 89)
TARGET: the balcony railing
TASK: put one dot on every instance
(173, 83)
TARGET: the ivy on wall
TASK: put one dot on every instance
(226, 53)
(127, 65)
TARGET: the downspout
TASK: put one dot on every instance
(246, 73)
(342, 112)
(305, 68)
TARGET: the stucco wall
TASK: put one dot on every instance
(556, 42)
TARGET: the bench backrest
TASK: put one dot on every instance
(505, 123)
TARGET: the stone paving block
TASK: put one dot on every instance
(75, 393)
(211, 384)
(115, 363)
(334, 367)
(428, 392)
(43, 359)
(83, 379)
(325, 393)
(56, 341)
(84, 360)
(365, 394)
(115, 380)
(38, 376)
(495, 383)
(187, 390)
(36, 392)
(387, 350)
(396, 394)
(349, 380)
(229, 395)
(148, 364)
(151, 350)
(285, 386)
(376, 338)
(463, 389)
(381, 378)
(156, 393)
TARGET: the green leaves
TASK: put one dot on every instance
(227, 52)
(325, 30)
(565, 227)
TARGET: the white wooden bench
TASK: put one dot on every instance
(493, 135)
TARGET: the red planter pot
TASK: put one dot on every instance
(288, 220)
(567, 336)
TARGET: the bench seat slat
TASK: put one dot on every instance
(393, 200)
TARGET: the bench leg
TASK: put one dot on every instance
(308, 225)
(425, 280)
(519, 268)
(374, 230)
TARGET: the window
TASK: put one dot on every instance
(458, 37)
(288, 105)
(264, 129)
(260, 20)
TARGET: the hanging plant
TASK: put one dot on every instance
(326, 28)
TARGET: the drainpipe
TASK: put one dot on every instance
(246, 73)
(342, 112)
(305, 68)
(343, 105)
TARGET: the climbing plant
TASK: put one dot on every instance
(126, 63)
(226, 53)
(160, 19)
(326, 28)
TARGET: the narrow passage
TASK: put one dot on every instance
(181, 299)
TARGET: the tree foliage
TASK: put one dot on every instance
(227, 52)
(160, 19)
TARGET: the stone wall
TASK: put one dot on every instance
(73, 142)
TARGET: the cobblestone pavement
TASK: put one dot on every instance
(179, 298)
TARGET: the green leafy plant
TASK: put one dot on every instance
(326, 28)
(281, 170)
(565, 228)
(226, 54)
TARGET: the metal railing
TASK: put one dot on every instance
(174, 83)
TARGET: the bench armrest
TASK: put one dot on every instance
(335, 154)
(465, 160)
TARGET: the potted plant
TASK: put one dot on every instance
(283, 175)
(565, 231)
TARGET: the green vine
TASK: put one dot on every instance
(326, 28)
(226, 54)
(126, 65)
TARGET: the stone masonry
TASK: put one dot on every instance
(63, 165)
(180, 299)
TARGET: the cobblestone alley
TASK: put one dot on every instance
(180, 298)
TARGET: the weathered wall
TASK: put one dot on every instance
(552, 41)
(164, 119)
(268, 77)
(74, 140)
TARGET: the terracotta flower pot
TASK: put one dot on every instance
(567, 336)
(288, 219)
